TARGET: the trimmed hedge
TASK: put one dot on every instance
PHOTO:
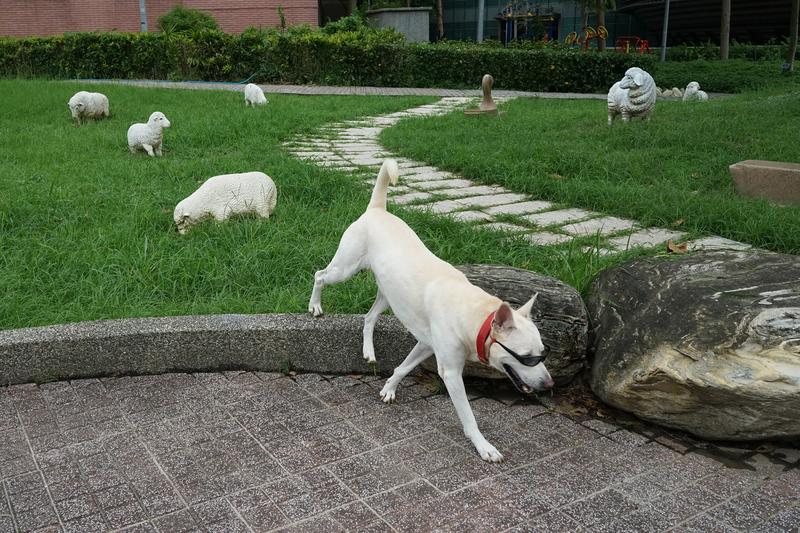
(733, 75)
(302, 55)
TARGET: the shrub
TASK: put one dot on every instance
(733, 75)
(184, 19)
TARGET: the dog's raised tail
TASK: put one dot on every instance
(388, 173)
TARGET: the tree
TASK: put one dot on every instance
(725, 29)
(181, 19)
(601, 6)
(793, 35)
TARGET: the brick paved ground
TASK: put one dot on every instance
(242, 451)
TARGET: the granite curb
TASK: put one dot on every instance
(268, 342)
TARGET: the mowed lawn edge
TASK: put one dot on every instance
(669, 172)
(86, 227)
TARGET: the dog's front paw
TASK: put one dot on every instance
(387, 394)
(315, 309)
(369, 355)
(489, 453)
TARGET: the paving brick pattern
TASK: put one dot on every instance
(242, 451)
(352, 146)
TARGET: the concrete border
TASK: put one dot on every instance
(331, 344)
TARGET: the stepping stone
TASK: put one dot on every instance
(333, 162)
(441, 184)
(599, 251)
(366, 161)
(562, 216)
(421, 169)
(521, 208)
(470, 216)
(445, 206)
(318, 155)
(408, 163)
(477, 190)
(545, 238)
(649, 238)
(428, 176)
(490, 199)
(601, 226)
(395, 189)
(356, 149)
(410, 197)
(502, 226)
(717, 243)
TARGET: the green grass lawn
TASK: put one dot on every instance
(671, 172)
(86, 228)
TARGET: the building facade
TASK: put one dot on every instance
(22, 18)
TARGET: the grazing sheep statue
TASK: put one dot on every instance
(693, 92)
(633, 96)
(223, 196)
(84, 105)
(677, 93)
(148, 137)
(253, 95)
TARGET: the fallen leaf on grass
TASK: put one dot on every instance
(677, 248)
(557, 176)
(677, 223)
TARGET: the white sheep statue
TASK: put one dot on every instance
(253, 95)
(693, 92)
(148, 137)
(633, 96)
(85, 105)
(223, 196)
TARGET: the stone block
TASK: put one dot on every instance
(562, 216)
(545, 238)
(521, 208)
(647, 238)
(775, 181)
(601, 226)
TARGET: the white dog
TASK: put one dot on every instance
(446, 313)
(253, 95)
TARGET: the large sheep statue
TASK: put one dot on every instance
(223, 196)
(633, 96)
(253, 95)
(148, 137)
(693, 92)
(85, 105)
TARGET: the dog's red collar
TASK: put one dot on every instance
(483, 334)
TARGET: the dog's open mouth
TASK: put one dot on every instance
(518, 383)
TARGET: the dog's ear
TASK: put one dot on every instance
(504, 317)
(525, 309)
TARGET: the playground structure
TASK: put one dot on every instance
(523, 19)
(629, 43)
(586, 36)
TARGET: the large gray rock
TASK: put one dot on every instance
(559, 314)
(708, 343)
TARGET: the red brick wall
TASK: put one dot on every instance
(50, 17)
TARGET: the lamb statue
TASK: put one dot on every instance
(85, 105)
(693, 92)
(633, 96)
(223, 196)
(253, 95)
(148, 137)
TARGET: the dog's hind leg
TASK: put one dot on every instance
(418, 354)
(370, 320)
(347, 261)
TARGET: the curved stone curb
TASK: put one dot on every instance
(352, 146)
(331, 344)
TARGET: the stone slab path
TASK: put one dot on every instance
(251, 452)
(352, 146)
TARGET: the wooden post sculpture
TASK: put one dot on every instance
(487, 105)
